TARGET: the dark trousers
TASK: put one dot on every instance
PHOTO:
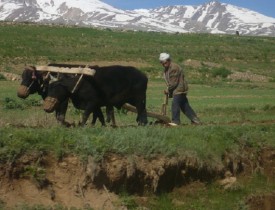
(180, 103)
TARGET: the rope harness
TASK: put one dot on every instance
(33, 79)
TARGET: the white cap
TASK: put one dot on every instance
(164, 57)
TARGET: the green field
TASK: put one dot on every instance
(238, 115)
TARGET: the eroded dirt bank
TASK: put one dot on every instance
(42, 179)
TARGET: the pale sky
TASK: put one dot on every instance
(265, 7)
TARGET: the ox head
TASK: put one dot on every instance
(32, 82)
(57, 93)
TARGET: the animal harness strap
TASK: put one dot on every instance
(77, 83)
(33, 76)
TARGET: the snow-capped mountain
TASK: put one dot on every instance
(211, 17)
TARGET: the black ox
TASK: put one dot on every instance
(37, 82)
(110, 86)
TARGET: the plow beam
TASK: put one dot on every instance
(160, 117)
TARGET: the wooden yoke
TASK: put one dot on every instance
(66, 70)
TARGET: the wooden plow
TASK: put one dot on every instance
(161, 117)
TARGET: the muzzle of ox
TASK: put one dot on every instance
(50, 104)
(23, 91)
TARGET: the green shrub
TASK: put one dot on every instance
(2, 77)
(220, 72)
(268, 107)
(10, 103)
(203, 70)
(32, 102)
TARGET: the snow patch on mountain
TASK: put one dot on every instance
(53, 6)
(211, 17)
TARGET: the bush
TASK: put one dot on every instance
(2, 77)
(204, 70)
(10, 103)
(220, 72)
(32, 102)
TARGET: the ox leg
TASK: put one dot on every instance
(86, 114)
(111, 115)
(142, 113)
(60, 113)
(89, 109)
(94, 119)
(98, 114)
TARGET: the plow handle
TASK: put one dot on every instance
(164, 105)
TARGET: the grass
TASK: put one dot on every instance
(205, 141)
(219, 103)
(235, 114)
(32, 44)
(229, 114)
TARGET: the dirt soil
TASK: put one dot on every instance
(58, 182)
(42, 179)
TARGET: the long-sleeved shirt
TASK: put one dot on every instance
(175, 80)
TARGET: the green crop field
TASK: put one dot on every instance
(231, 87)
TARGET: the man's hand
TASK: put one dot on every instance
(169, 93)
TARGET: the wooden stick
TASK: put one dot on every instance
(164, 105)
(77, 83)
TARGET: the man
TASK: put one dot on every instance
(177, 89)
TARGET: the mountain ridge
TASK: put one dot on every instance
(211, 17)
